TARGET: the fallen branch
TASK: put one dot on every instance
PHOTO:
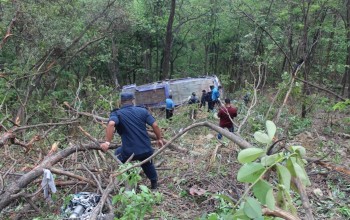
(11, 133)
(333, 167)
(279, 213)
(16, 186)
(171, 146)
(304, 199)
(72, 175)
(99, 206)
(85, 113)
(60, 183)
(5, 137)
(323, 89)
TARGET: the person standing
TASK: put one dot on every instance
(209, 100)
(216, 95)
(130, 123)
(246, 98)
(226, 115)
(203, 98)
(169, 108)
(193, 100)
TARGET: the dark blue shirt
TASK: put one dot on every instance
(133, 120)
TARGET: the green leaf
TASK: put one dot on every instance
(250, 172)
(271, 159)
(284, 176)
(299, 149)
(262, 137)
(271, 129)
(252, 208)
(264, 193)
(249, 155)
(298, 171)
(144, 188)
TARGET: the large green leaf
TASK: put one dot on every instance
(250, 172)
(284, 176)
(262, 137)
(263, 191)
(252, 208)
(271, 129)
(298, 171)
(249, 155)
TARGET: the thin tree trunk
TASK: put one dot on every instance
(330, 44)
(168, 40)
(115, 64)
(347, 66)
(304, 54)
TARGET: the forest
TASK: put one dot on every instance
(63, 64)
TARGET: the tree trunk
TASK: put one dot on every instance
(115, 64)
(206, 57)
(168, 40)
(346, 78)
(330, 44)
(303, 51)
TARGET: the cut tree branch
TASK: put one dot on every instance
(279, 213)
(16, 186)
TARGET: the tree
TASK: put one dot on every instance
(168, 41)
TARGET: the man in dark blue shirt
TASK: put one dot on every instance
(130, 122)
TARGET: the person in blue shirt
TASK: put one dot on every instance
(169, 108)
(215, 95)
(130, 122)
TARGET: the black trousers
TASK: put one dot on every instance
(211, 106)
(148, 168)
(168, 113)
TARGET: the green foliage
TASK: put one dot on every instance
(249, 155)
(342, 105)
(270, 194)
(132, 177)
(266, 138)
(135, 205)
(252, 208)
(298, 125)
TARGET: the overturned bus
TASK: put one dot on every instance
(154, 94)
